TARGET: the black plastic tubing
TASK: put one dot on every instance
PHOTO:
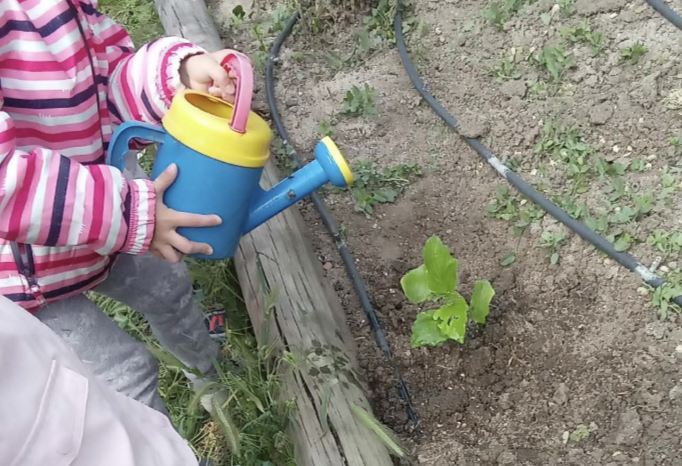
(329, 222)
(623, 258)
(666, 12)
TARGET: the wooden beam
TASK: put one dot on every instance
(308, 320)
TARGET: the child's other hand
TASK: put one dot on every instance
(204, 73)
(167, 243)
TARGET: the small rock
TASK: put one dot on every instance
(642, 291)
(506, 457)
(328, 266)
(675, 393)
(561, 394)
(514, 88)
(629, 429)
(601, 114)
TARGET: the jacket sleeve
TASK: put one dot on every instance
(141, 84)
(48, 199)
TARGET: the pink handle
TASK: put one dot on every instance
(241, 65)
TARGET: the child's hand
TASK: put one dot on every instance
(204, 73)
(167, 243)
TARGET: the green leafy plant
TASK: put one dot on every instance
(436, 281)
(360, 101)
(583, 33)
(505, 71)
(567, 8)
(380, 186)
(325, 129)
(662, 297)
(667, 242)
(566, 143)
(631, 55)
(556, 60)
(638, 165)
(501, 11)
(514, 209)
(676, 142)
(552, 242)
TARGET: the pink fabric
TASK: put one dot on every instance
(63, 89)
(56, 413)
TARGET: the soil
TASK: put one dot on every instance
(568, 348)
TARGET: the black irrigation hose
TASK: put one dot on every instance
(666, 12)
(624, 259)
(329, 222)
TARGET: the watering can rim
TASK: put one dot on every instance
(211, 135)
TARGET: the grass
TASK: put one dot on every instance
(255, 434)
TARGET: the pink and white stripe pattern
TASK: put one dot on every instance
(68, 76)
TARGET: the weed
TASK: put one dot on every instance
(667, 242)
(360, 101)
(638, 165)
(505, 71)
(566, 143)
(581, 432)
(556, 60)
(386, 436)
(662, 297)
(436, 281)
(501, 11)
(583, 33)
(325, 129)
(538, 89)
(567, 8)
(676, 142)
(552, 242)
(514, 209)
(380, 23)
(379, 186)
(605, 168)
(598, 224)
(631, 55)
(282, 152)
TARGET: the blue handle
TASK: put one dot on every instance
(126, 132)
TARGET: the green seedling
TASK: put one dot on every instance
(566, 144)
(569, 205)
(501, 11)
(638, 165)
(380, 186)
(581, 432)
(567, 8)
(505, 71)
(556, 60)
(622, 240)
(667, 242)
(538, 89)
(676, 142)
(282, 152)
(631, 55)
(552, 242)
(512, 208)
(583, 33)
(436, 281)
(668, 187)
(598, 224)
(605, 168)
(360, 101)
(325, 129)
(662, 297)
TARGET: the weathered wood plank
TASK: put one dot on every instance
(308, 319)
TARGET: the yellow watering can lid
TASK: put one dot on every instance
(202, 122)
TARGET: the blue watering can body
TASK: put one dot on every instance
(205, 185)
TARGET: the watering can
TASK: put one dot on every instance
(220, 150)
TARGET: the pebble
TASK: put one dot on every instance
(561, 394)
(642, 291)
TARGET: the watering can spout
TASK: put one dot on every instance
(329, 166)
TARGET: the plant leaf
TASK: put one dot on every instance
(480, 301)
(416, 285)
(441, 267)
(554, 258)
(453, 318)
(508, 259)
(425, 331)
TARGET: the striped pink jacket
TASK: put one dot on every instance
(68, 76)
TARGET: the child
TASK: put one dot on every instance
(68, 222)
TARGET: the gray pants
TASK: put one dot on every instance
(163, 293)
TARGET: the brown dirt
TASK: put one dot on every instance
(566, 345)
